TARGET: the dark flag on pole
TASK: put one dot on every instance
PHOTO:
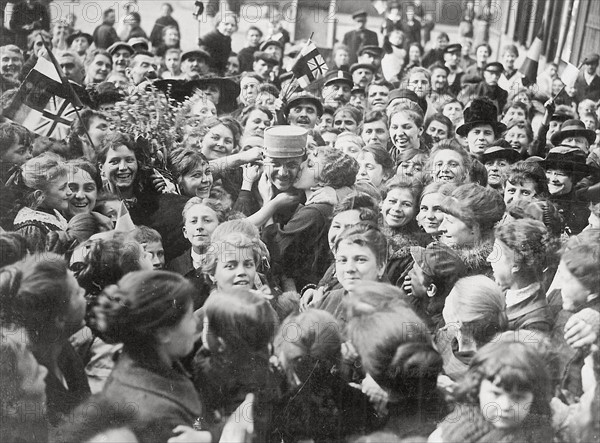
(309, 66)
(529, 68)
(45, 103)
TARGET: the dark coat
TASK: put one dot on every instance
(583, 90)
(183, 265)
(357, 38)
(163, 397)
(575, 213)
(219, 48)
(160, 24)
(22, 15)
(105, 35)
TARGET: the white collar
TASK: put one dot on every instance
(516, 296)
(197, 259)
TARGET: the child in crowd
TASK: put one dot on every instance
(505, 396)
(172, 65)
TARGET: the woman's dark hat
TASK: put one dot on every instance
(501, 149)
(72, 37)
(568, 159)
(572, 128)
(481, 112)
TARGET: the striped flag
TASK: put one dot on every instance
(529, 68)
(45, 102)
(124, 222)
(309, 66)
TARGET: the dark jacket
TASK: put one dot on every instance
(219, 48)
(163, 397)
(104, 36)
(583, 90)
(246, 58)
(160, 24)
(22, 15)
(357, 38)
(575, 213)
(531, 313)
(183, 265)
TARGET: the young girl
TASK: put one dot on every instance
(235, 257)
(191, 172)
(239, 326)
(151, 313)
(505, 396)
(172, 64)
(361, 254)
(430, 215)
(375, 165)
(43, 184)
(41, 294)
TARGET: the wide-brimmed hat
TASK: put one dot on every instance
(501, 149)
(481, 112)
(304, 96)
(572, 128)
(120, 45)
(285, 141)
(566, 158)
(72, 37)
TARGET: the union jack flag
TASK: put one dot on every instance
(309, 66)
(45, 102)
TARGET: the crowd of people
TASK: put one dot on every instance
(408, 249)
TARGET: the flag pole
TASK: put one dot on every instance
(287, 89)
(65, 81)
(564, 86)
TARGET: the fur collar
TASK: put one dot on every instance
(475, 258)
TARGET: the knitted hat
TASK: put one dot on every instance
(475, 205)
(438, 261)
(285, 141)
(481, 112)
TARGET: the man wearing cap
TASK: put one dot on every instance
(284, 152)
(263, 65)
(71, 67)
(303, 109)
(274, 48)
(488, 87)
(143, 67)
(359, 37)
(455, 72)
(337, 88)
(139, 44)
(573, 133)
(587, 84)
(194, 64)
(436, 54)
(362, 74)
(121, 55)
(370, 55)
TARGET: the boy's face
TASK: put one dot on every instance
(16, 154)
(156, 251)
(253, 37)
(172, 62)
(505, 410)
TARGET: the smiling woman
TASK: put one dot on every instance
(118, 164)
(84, 183)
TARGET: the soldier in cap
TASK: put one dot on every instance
(337, 88)
(303, 109)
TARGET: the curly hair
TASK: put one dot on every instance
(512, 366)
(523, 171)
(337, 169)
